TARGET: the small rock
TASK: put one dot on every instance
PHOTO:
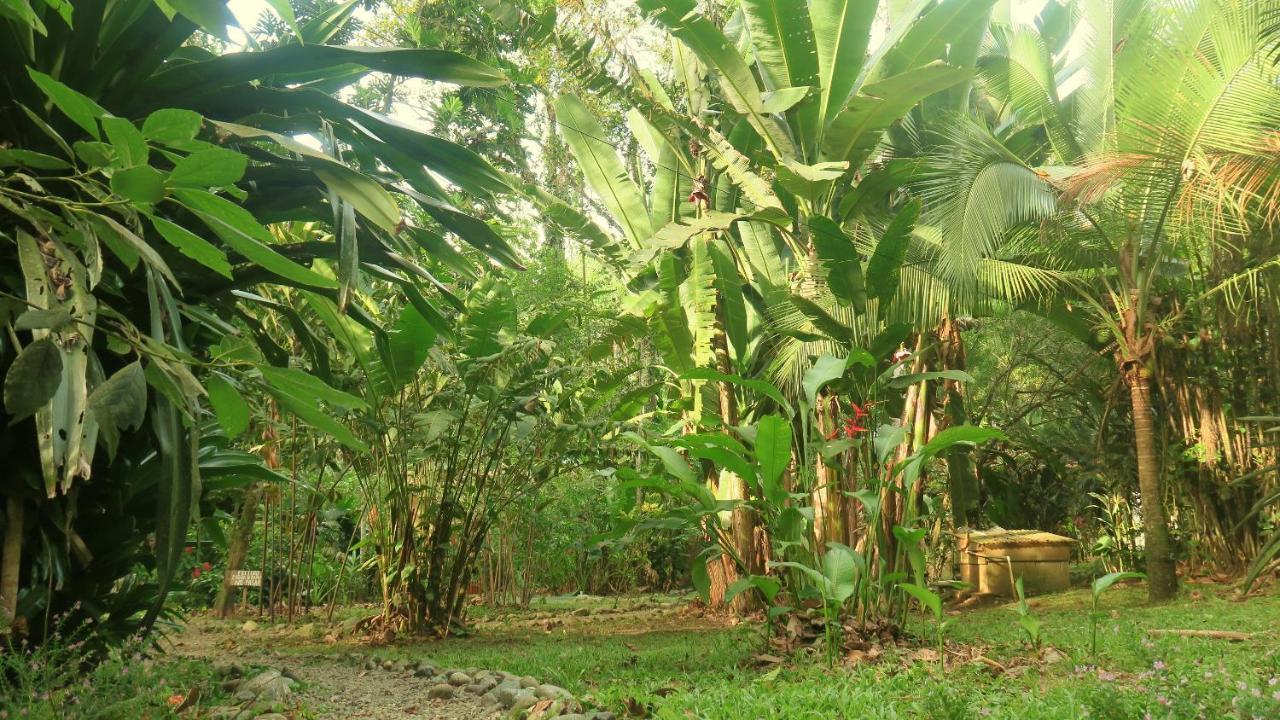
(547, 691)
(475, 689)
(506, 694)
(604, 715)
(223, 712)
(388, 665)
(370, 665)
(424, 672)
(458, 679)
(528, 681)
(524, 701)
(249, 626)
(442, 692)
(290, 674)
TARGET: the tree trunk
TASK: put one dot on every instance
(1162, 577)
(238, 550)
(11, 562)
(742, 520)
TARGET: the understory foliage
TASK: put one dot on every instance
(409, 302)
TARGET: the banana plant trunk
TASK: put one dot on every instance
(742, 520)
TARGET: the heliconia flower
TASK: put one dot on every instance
(189, 550)
(207, 566)
(851, 428)
(858, 410)
(195, 572)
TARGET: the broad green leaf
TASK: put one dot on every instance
(240, 230)
(823, 321)
(856, 131)
(141, 184)
(214, 167)
(127, 139)
(763, 387)
(773, 455)
(967, 434)
(603, 170)
(365, 195)
(95, 154)
(885, 266)
(172, 126)
(119, 404)
(928, 599)
(21, 11)
(309, 61)
(825, 369)
(307, 411)
(111, 230)
(840, 259)
(31, 159)
(214, 16)
(32, 380)
(840, 566)
(1106, 581)
(42, 319)
(284, 9)
(193, 246)
(305, 386)
(888, 438)
(841, 33)
(228, 405)
(82, 111)
(408, 344)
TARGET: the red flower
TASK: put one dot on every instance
(195, 572)
(851, 427)
(207, 566)
(189, 550)
(858, 410)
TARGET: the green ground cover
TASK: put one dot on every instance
(711, 673)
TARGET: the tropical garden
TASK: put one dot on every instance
(667, 358)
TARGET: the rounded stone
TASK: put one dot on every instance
(458, 679)
(524, 701)
(528, 681)
(442, 692)
(547, 691)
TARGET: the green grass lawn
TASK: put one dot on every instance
(709, 673)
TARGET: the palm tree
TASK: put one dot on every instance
(1143, 159)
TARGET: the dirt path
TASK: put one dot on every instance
(333, 686)
(339, 677)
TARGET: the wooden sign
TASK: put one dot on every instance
(246, 578)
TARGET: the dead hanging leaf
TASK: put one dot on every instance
(765, 659)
